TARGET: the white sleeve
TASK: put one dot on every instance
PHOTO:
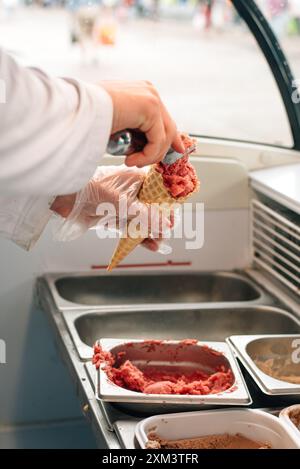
(23, 219)
(53, 132)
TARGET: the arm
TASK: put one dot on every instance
(53, 131)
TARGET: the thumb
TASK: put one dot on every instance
(151, 220)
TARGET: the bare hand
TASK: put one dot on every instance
(137, 105)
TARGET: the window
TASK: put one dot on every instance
(284, 17)
(199, 54)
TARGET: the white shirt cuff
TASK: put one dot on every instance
(23, 219)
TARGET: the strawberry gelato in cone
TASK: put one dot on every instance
(164, 184)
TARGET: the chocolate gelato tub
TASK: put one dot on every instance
(241, 428)
(160, 376)
(273, 361)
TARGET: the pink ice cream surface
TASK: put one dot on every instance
(151, 381)
(179, 178)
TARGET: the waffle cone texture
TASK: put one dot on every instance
(152, 191)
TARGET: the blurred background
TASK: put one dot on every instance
(198, 53)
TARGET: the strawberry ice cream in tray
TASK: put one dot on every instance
(166, 375)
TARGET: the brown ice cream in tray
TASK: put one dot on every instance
(225, 441)
(295, 417)
(291, 416)
(216, 429)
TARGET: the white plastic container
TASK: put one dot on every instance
(285, 417)
(253, 424)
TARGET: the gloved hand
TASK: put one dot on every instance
(118, 186)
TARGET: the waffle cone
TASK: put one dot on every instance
(125, 246)
(152, 191)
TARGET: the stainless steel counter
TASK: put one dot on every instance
(207, 316)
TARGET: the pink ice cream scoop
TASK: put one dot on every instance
(178, 174)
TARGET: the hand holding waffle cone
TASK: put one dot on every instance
(163, 184)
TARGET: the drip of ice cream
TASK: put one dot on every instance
(179, 178)
(152, 381)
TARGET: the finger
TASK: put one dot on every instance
(173, 136)
(177, 143)
(172, 219)
(155, 149)
(63, 205)
(151, 154)
(157, 246)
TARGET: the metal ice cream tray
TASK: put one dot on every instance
(257, 352)
(179, 356)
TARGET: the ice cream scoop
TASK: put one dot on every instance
(127, 142)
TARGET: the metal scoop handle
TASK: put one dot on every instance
(127, 142)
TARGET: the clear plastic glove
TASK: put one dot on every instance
(119, 187)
